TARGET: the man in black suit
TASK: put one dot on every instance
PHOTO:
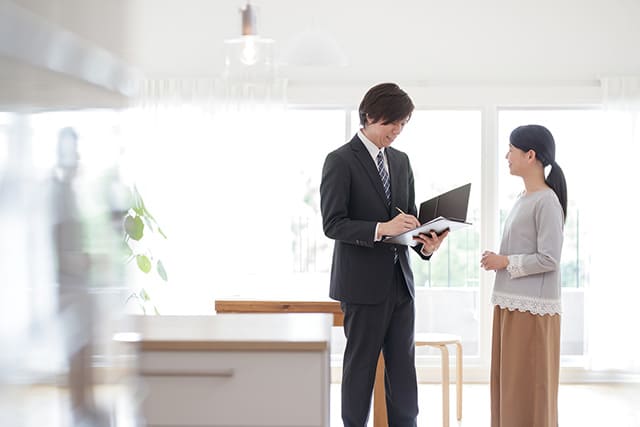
(367, 192)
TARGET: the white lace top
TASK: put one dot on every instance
(532, 239)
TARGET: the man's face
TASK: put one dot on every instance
(382, 135)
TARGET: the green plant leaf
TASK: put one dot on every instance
(143, 263)
(162, 232)
(140, 207)
(137, 199)
(134, 227)
(144, 295)
(148, 222)
(128, 253)
(146, 211)
(161, 271)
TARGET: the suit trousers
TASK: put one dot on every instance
(370, 328)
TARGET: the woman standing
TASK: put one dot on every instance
(525, 355)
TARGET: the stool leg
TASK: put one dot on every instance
(445, 385)
(459, 380)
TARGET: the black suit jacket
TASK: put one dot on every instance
(352, 202)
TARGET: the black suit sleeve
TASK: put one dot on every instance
(412, 208)
(335, 199)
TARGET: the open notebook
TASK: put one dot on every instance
(448, 211)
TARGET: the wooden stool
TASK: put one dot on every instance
(441, 341)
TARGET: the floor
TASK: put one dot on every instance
(580, 405)
(583, 405)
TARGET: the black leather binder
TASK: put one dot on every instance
(448, 211)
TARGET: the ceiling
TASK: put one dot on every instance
(428, 42)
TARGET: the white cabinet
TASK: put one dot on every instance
(236, 370)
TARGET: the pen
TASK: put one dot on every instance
(400, 210)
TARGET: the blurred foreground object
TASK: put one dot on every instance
(61, 282)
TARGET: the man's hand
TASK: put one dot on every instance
(399, 224)
(430, 241)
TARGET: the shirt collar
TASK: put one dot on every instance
(370, 146)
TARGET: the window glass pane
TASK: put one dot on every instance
(444, 148)
(309, 135)
(238, 194)
(573, 130)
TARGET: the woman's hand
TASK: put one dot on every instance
(493, 261)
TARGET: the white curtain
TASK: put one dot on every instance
(207, 166)
(613, 232)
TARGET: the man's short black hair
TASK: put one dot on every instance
(385, 103)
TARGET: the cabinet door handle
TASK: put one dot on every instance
(223, 373)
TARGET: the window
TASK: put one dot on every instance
(258, 173)
(308, 137)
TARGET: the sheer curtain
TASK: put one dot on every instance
(209, 169)
(613, 293)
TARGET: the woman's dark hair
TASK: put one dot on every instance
(539, 139)
(385, 102)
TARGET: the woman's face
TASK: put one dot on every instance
(518, 160)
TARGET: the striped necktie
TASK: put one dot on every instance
(384, 176)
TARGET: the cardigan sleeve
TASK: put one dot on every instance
(549, 224)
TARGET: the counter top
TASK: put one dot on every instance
(234, 332)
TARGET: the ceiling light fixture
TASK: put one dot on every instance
(250, 49)
(250, 71)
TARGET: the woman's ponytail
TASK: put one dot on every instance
(558, 184)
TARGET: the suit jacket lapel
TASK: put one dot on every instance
(369, 166)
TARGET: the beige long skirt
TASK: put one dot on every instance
(525, 368)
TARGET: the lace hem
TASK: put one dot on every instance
(532, 305)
